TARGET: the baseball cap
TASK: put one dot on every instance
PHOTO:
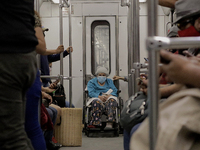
(186, 8)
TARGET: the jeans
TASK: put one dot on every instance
(18, 72)
(53, 115)
(127, 136)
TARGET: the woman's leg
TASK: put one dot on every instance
(32, 125)
(96, 113)
(110, 107)
(58, 112)
(126, 140)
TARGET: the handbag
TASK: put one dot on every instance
(59, 96)
(134, 111)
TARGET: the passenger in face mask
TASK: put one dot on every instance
(103, 94)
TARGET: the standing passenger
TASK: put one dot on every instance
(18, 70)
(33, 95)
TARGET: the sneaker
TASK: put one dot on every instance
(53, 146)
(54, 140)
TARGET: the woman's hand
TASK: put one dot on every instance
(102, 98)
(70, 48)
(47, 96)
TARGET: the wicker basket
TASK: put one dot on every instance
(69, 133)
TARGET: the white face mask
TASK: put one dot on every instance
(101, 79)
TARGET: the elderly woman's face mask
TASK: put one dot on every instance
(101, 78)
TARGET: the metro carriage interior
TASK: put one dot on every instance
(120, 75)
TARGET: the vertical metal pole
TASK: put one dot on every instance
(70, 57)
(84, 62)
(133, 45)
(117, 47)
(37, 6)
(130, 50)
(136, 40)
(153, 74)
(61, 40)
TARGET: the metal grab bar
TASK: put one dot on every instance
(123, 3)
(70, 43)
(70, 57)
(157, 42)
(153, 74)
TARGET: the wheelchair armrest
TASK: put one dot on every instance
(118, 91)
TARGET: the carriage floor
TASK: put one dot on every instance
(99, 143)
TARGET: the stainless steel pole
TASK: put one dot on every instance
(153, 74)
(136, 40)
(117, 47)
(70, 57)
(84, 63)
(61, 39)
(130, 50)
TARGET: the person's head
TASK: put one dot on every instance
(101, 74)
(188, 17)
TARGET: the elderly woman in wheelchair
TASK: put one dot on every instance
(103, 97)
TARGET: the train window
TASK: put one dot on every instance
(100, 45)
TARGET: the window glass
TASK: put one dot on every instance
(100, 45)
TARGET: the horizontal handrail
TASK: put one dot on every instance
(157, 42)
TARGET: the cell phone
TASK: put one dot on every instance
(57, 80)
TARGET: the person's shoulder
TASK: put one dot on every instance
(93, 80)
(109, 80)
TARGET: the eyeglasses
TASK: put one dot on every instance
(181, 25)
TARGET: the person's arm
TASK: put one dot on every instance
(47, 96)
(55, 51)
(112, 86)
(41, 47)
(120, 78)
(181, 69)
(91, 89)
(167, 3)
(56, 57)
(169, 90)
(47, 89)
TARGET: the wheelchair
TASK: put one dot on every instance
(104, 130)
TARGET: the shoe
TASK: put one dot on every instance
(53, 146)
(54, 140)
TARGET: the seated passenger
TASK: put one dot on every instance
(103, 97)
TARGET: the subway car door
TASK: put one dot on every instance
(100, 45)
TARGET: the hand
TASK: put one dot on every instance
(47, 96)
(180, 69)
(102, 98)
(48, 90)
(116, 78)
(53, 85)
(60, 49)
(69, 48)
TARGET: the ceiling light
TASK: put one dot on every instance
(142, 1)
(56, 1)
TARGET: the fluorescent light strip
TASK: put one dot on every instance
(56, 1)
